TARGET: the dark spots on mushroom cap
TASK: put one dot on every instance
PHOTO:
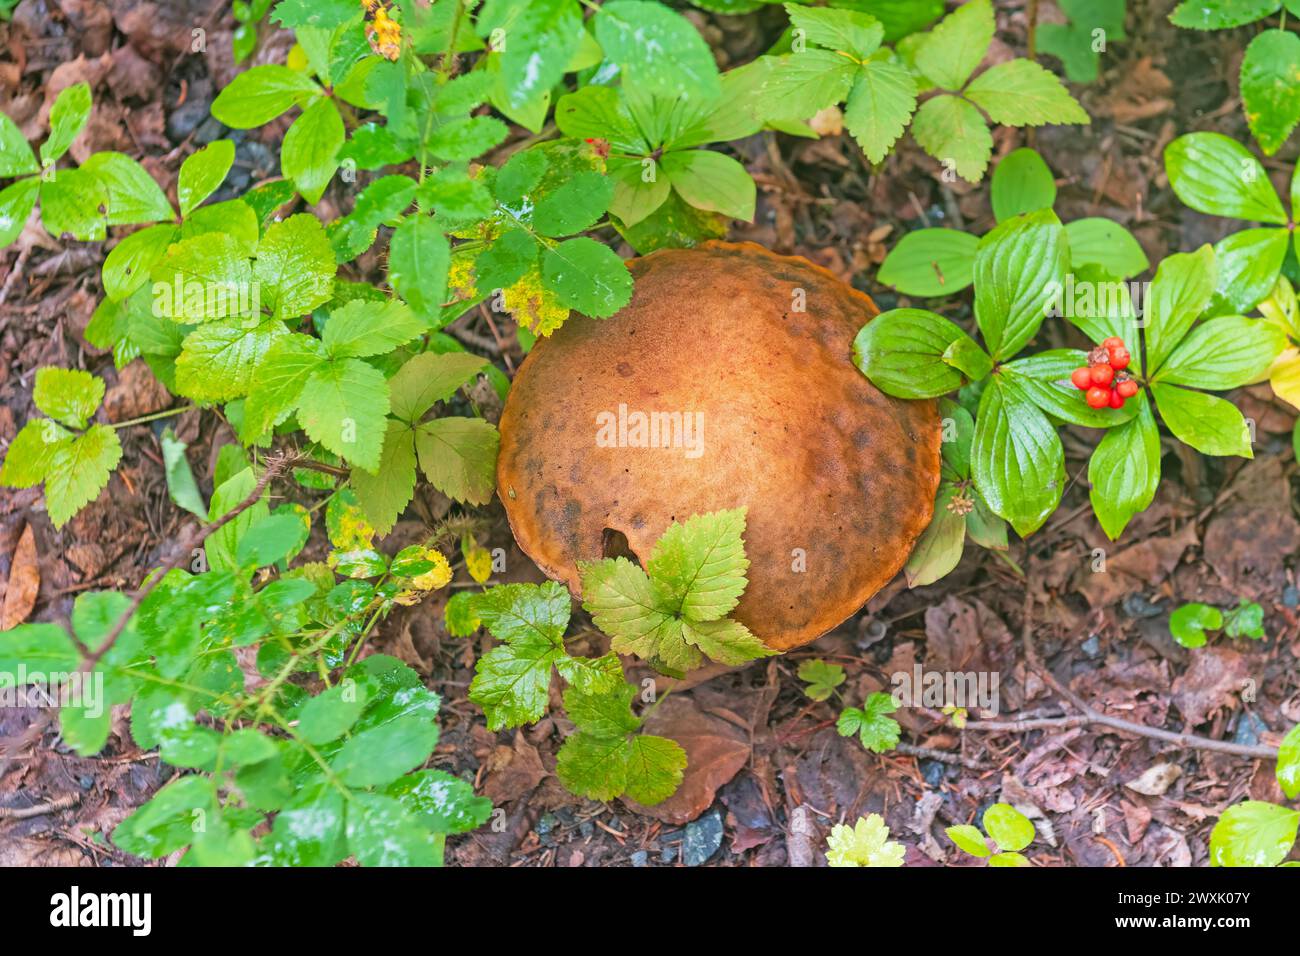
(623, 369)
(861, 438)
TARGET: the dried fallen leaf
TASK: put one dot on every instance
(1216, 673)
(1156, 779)
(24, 582)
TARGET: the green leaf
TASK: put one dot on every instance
(133, 195)
(880, 106)
(1017, 459)
(1045, 378)
(625, 605)
(384, 495)
(1124, 470)
(930, 262)
(1022, 183)
(1189, 623)
(67, 117)
(1269, 93)
(17, 200)
(16, 157)
(600, 112)
(511, 681)
(953, 132)
(592, 766)
(1244, 620)
(903, 352)
(167, 822)
(587, 275)
(1216, 175)
(382, 201)
(128, 265)
(1224, 353)
(202, 173)
(331, 713)
(712, 181)
(221, 544)
(428, 378)
(418, 257)
(872, 725)
(321, 14)
(540, 38)
(363, 327)
(1288, 764)
(70, 396)
(1073, 43)
(443, 803)
(279, 381)
(343, 405)
(655, 767)
(1010, 829)
(202, 278)
(1179, 293)
(968, 838)
(658, 50)
(79, 471)
(181, 486)
(261, 94)
(309, 830)
(271, 539)
(700, 564)
(821, 678)
(940, 547)
(518, 612)
(459, 615)
(949, 53)
(1211, 425)
(1221, 15)
(1023, 93)
(1253, 833)
(381, 754)
(295, 266)
(1019, 267)
(726, 641)
(42, 648)
(842, 30)
(1249, 263)
(1107, 244)
(219, 360)
(459, 457)
(309, 153)
(801, 84)
(75, 202)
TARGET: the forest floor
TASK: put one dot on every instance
(1220, 530)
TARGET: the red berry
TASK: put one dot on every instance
(1098, 397)
(1081, 378)
(1101, 374)
(1127, 388)
(1119, 357)
(1116, 399)
(1114, 342)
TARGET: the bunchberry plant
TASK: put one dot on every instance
(1268, 94)
(1218, 176)
(866, 843)
(940, 261)
(837, 57)
(1189, 622)
(1006, 826)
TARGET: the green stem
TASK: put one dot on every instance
(166, 413)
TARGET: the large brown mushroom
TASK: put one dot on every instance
(839, 479)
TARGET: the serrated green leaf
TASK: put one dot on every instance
(879, 106)
(953, 132)
(587, 275)
(219, 360)
(871, 723)
(842, 30)
(343, 405)
(295, 266)
(79, 471)
(1022, 93)
(459, 456)
(699, 565)
(951, 51)
(70, 396)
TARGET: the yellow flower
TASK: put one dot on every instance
(385, 34)
(866, 843)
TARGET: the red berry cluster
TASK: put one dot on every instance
(1104, 380)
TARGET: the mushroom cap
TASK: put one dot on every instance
(839, 479)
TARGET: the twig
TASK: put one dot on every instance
(943, 756)
(26, 813)
(1088, 715)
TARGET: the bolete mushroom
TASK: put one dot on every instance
(727, 381)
